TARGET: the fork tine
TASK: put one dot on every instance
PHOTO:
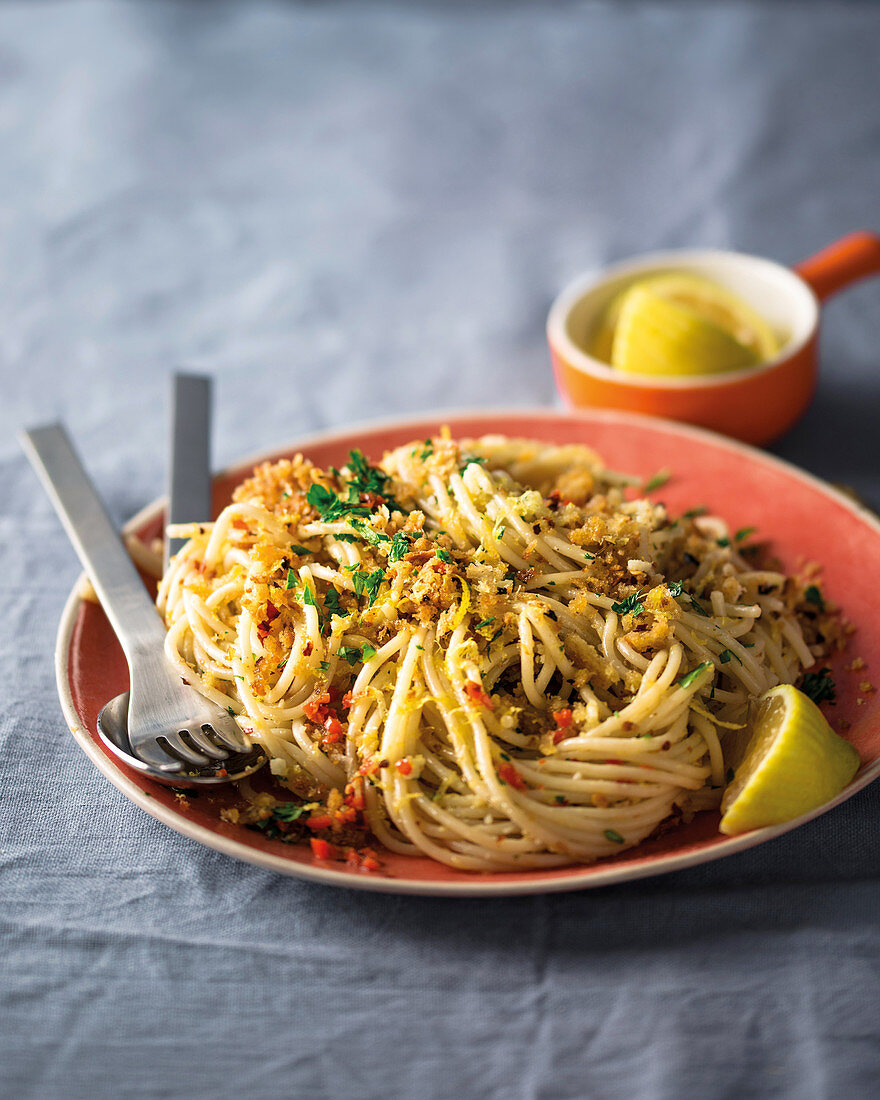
(152, 753)
(202, 741)
(179, 747)
(228, 732)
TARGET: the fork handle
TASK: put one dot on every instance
(125, 600)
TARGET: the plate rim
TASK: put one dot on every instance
(482, 885)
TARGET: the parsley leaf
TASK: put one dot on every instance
(331, 602)
(629, 606)
(701, 510)
(813, 595)
(675, 589)
(698, 607)
(330, 507)
(819, 686)
(309, 596)
(350, 653)
(613, 836)
(660, 478)
(400, 545)
(368, 651)
(485, 622)
(288, 811)
(292, 579)
(694, 674)
(368, 583)
(743, 533)
(368, 479)
(443, 555)
(301, 549)
(373, 537)
(725, 655)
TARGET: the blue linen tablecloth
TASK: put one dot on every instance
(349, 211)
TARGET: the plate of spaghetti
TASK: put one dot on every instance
(496, 652)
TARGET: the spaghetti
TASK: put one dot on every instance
(483, 651)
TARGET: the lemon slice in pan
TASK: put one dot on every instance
(680, 324)
(794, 763)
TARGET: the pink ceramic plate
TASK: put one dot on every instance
(805, 519)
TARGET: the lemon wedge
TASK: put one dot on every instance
(794, 763)
(682, 324)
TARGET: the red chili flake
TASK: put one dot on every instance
(335, 729)
(370, 767)
(222, 771)
(559, 735)
(316, 709)
(476, 695)
(322, 849)
(271, 614)
(370, 860)
(562, 718)
(240, 524)
(354, 794)
(319, 821)
(307, 649)
(373, 500)
(510, 775)
(404, 767)
(347, 700)
(352, 859)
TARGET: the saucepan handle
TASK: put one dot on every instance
(854, 257)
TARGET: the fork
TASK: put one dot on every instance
(171, 728)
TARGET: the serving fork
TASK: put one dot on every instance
(161, 726)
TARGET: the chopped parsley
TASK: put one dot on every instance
(484, 623)
(309, 596)
(467, 460)
(613, 836)
(698, 607)
(330, 508)
(368, 479)
(694, 674)
(350, 653)
(675, 589)
(629, 606)
(292, 579)
(819, 686)
(660, 478)
(368, 651)
(743, 533)
(373, 537)
(300, 549)
(814, 596)
(692, 513)
(724, 541)
(368, 584)
(283, 813)
(725, 655)
(443, 555)
(324, 665)
(288, 811)
(331, 602)
(428, 450)
(400, 545)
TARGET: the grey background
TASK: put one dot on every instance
(345, 211)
